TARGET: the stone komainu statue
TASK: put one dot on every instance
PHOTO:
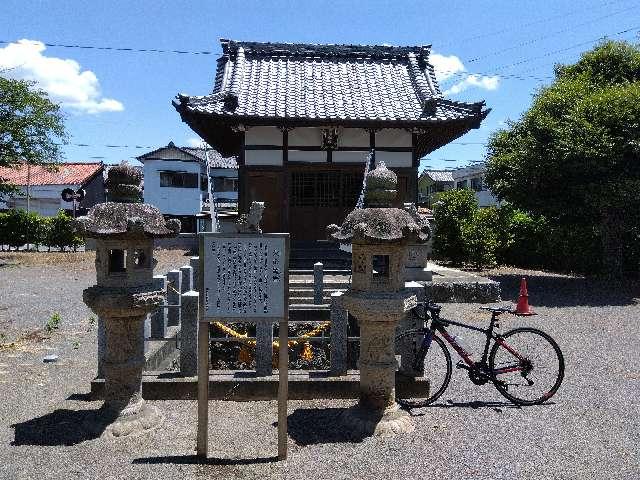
(250, 222)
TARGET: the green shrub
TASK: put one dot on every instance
(480, 237)
(523, 238)
(62, 233)
(17, 225)
(36, 229)
(4, 230)
(18, 228)
(451, 211)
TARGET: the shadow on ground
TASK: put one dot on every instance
(63, 427)
(194, 459)
(309, 426)
(548, 290)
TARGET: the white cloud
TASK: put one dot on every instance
(448, 66)
(474, 80)
(194, 142)
(444, 66)
(63, 79)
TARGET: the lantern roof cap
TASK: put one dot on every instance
(119, 220)
(381, 225)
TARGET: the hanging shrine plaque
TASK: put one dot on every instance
(244, 276)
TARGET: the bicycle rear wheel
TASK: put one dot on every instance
(527, 366)
(435, 365)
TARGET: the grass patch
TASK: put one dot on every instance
(53, 323)
(46, 258)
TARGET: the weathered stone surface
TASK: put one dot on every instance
(124, 294)
(318, 280)
(122, 302)
(366, 422)
(159, 316)
(174, 287)
(339, 330)
(378, 223)
(375, 225)
(187, 279)
(121, 220)
(189, 334)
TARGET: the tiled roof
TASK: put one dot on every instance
(439, 175)
(197, 154)
(327, 83)
(216, 160)
(66, 174)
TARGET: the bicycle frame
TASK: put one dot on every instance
(438, 325)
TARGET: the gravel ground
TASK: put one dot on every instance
(590, 429)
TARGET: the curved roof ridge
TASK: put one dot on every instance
(230, 47)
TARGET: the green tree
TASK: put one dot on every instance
(16, 228)
(451, 211)
(480, 236)
(31, 127)
(4, 230)
(574, 156)
(61, 232)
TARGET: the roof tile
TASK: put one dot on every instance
(66, 174)
(338, 82)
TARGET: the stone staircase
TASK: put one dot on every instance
(301, 285)
(304, 254)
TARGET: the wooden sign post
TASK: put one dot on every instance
(243, 278)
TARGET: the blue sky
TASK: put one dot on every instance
(499, 51)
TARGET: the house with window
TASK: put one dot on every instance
(303, 118)
(472, 177)
(40, 187)
(432, 182)
(177, 183)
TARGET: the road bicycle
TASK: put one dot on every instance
(525, 365)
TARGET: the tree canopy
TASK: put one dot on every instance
(574, 156)
(31, 127)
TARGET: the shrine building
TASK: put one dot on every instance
(302, 119)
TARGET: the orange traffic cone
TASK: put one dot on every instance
(522, 308)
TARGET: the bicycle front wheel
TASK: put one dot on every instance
(434, 365)
(527, 366)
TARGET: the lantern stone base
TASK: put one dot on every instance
(366, 422)
(128, 424)
(378, 314)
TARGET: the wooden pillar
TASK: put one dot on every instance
(415, 162)
(285, 179)
(372, 145)
(242, 177)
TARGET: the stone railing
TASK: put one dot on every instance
(175, 324)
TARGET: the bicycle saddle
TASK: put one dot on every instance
(433, 308)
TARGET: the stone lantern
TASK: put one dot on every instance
(380, 236)
(124, 294)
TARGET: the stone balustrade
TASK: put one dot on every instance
(180, 313)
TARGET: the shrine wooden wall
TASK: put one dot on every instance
(308, 183)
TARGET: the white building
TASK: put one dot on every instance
(43, 186)
(472, 177)
(175, 181)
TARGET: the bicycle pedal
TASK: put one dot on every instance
(462, 366)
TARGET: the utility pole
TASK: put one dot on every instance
(28, 200)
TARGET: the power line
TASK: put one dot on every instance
(581, 44)
(204, 52)
(546, 36)
(544, 55)
(121, 49)
(518, 27)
